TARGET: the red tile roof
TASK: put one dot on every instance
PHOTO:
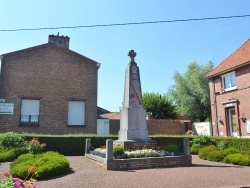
(237, 59)
(112, 115)
(52, 45)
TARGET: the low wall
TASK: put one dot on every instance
(154, 126)
(140, 163)
(151, 162)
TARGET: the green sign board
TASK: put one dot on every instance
(6, 108)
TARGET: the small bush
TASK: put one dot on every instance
(231, 151)
(35, 147)
(217, 155)
(9, 154)
(11, 139)
(238, 159)
(194, 150)
(171, 148)
(203, 152)
(200, 141)
(118, 150)
(47, 164)
(222, 144)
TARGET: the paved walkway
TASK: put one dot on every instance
(86, 173)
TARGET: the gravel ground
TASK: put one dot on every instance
(86, 173)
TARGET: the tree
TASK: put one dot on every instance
(191, 92)
(159, 106)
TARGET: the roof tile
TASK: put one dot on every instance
(240, 57)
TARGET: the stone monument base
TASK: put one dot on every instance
(136, 143)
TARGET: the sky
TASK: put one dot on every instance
(162, 49)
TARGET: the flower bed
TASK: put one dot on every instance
(8, 182)
(135, 153)
(140, 158)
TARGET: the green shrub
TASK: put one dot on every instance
(118, 150)
(194, 150)
(222, 144)
(11, 139)
(35, 147)
(9, 154)
(47, 164)
(203, 141)
(231, 151)
(171, 148)
(238, 159)
(217, 155)
(203, 152)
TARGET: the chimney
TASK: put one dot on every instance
(60, 41)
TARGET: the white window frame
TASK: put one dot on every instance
(231, 87)
(247, 126)
(30, 111)
(1, 57)
(76, 113)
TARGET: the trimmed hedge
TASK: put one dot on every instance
(74, 145)
(242, 144)
(47, 165)
(70, 145)
(164, 140)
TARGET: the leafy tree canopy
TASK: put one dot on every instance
(159, 106)
(191, 92)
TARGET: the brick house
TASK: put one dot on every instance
(53, 89)
(229, 86)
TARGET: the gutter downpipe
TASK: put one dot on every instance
(215, 108)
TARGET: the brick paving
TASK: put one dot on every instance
(86, 173)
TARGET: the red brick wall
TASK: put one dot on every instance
(241, 107)
(55, 76)
(155, 126)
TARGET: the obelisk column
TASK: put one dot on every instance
(133, 125)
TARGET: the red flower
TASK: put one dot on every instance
(6, 174)
(31, 169)
(154, 147)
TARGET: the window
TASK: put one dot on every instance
(248, 126)
(76, 113)
(30, 111)
(229, 81)
(1, 57)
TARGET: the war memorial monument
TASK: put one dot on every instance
(133, 131)
(133, 125)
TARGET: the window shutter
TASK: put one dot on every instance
(76, 113)
(30, 107)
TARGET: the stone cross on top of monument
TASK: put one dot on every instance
(132, 55)
(132, 92)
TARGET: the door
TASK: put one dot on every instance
(102, 126)
(186, 126)
(232, 122)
